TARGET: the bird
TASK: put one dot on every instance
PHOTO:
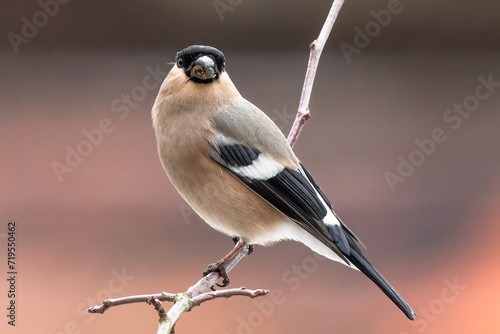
(231, 163)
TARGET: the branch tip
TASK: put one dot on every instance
(316, 48)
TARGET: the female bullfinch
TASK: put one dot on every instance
(235, 168)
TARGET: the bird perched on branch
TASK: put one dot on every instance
(235, 168)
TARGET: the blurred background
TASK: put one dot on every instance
(403, 138)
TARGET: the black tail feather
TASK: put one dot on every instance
(356, 257)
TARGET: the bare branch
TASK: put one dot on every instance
(196, 301)
(184, 302)
(316, 49)
(108, 303)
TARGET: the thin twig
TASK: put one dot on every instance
(108, 303)
(316, 48)
(196, 301)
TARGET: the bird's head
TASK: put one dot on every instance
(197, 81)
(201, 64)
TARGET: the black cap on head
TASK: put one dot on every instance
(187, 56)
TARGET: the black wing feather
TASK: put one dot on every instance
(288, 191)
(327, 201)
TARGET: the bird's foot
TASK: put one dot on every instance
(219, 267)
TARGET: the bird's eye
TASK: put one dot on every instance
(180, 62)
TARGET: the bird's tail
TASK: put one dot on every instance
(356, 257)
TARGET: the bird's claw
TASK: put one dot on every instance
(249, 249)
(220, 268)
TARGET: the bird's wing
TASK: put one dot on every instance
(280, 180)
(261, 158)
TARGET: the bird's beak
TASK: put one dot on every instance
(204, 68)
